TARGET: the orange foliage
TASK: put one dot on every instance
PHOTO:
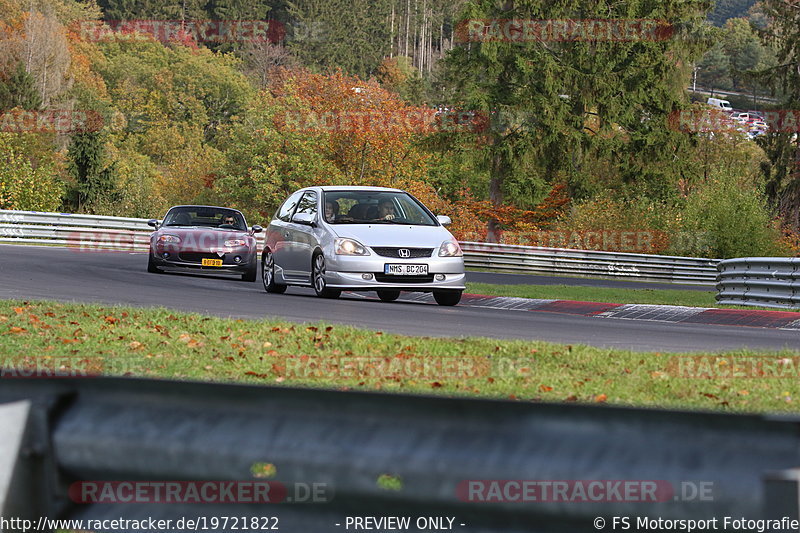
(516, 222)
(789, 242)
(367, 131)
(370, 135)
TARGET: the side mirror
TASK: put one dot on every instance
(153, 223)
(306, 219)
(444, 220)
(257, 229)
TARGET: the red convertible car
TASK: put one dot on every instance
(204, 238)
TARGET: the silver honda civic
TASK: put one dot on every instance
(361, 239)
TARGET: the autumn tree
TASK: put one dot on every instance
(29, 177)
(320, 129)
(397, 74)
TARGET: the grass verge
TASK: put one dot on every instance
(77, 339)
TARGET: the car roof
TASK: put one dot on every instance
(353, 188)
(205, 207)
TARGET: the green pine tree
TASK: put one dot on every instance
(782, 144)
(564, 103)
(95, 184)
(19, 91)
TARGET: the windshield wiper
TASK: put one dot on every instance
(392, 222)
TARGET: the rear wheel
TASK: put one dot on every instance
(447, 297)
(151, 266)
(268, 274)
(388, 296)
(318, 278)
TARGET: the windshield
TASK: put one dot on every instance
(375, 207)
(206, 217)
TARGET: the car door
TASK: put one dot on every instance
(304, 240)
(279, 236)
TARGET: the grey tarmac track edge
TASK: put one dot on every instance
(121, 278)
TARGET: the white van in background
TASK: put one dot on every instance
(720, 104)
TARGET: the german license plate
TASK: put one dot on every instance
(212, 262)
(405, 270)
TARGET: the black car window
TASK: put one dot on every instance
(363, 207)
(287, 209)
(308, 204)
(200, 216)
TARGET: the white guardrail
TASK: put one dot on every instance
(93, 232)
(760, 281)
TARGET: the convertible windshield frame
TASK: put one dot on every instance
(213, 221)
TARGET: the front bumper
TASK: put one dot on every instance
(248, 262)
(347, 273)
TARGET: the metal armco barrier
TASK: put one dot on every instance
(82, 231)
(759, 281)
(61, 431)
(133, 234)
(566, 261)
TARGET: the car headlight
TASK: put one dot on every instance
(450, 249)
(235, 242)
(350, 247)
(169, 238)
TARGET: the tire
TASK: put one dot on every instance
(388, 295)
(447, 297)
(151, 266)
(268, 274)
(318, 278)
(251, 274)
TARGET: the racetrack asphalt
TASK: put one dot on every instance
(66, 274)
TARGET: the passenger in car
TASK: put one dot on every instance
(331, 210)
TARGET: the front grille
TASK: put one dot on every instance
(394, 252)
(197, 257)
(386, 278)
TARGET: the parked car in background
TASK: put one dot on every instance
(361, 239)
(757, 128)
(205, 238)
(745, 117)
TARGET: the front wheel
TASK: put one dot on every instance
(268, 274)
(318, 278)
(388, 296)
(151, 266)
(447, 297)
(251, 273)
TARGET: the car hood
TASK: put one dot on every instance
(203, 238)
(182, 231)
(394, 234)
